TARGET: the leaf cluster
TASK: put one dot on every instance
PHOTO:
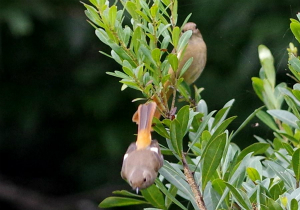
(265, 175)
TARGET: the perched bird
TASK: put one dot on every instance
(143, 158)
(196, 48)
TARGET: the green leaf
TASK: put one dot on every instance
(153, 11)
(249, 118)
(126, 193)
(93, 15)
(168, 193)
(173, 60)
(267, 119)
(131, 9)
(296, 164)
(294, 204)
(212, 156)
(288, 148)
(147, 54)
(160, 129)
(258, 86)
(273, 205)
(175, 36)
(295, 63)
(112, 14)
(153, 195)
(170, 174)
(222, 114)
(221, 128)
(276, 190)
(285, 116)
(240, 197)
(219, 186)
(267, 62)
(295, 28)
(186, 66)
(183, 117)
(201, 128)
(184, 39)
(120, 201)
(253, 174)
(256, 148)
(176, 137)
(156, 55)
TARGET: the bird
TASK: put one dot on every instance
(196, 48)
(143, 158)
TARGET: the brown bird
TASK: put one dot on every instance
(196, 48)
(143, 158)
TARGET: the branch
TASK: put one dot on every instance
(191, 181)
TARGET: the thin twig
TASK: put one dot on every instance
(191, 181)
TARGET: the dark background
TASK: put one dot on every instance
(65, 124)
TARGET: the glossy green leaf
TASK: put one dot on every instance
(183, 117)
(186, 66)
(170, 174)
(276, 190)
(294, 204)
(267, 119)
(273, 205)
(253, 174)
(153, 195)
(201, 128)
(267, 62)
(222, 127)
(153, 11)
(93, 15)
(295, 63)
(173, 60)
(160, 129)
(296, 164)
(258, 86)
(112, 16)
(212, 156)
(288, 148)
(175, 36)
(131, 9)
(240, 197)
(295, 28)
(285, 116)
(126, 193)
(120, 201)
(169, 194)
(156, 55)
(176, 137)
(249, 118)
(184, 39)
(256, 148)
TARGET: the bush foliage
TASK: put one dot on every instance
(265, 175)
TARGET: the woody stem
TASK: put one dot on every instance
(191, 181)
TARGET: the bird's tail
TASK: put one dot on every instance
(145, 117)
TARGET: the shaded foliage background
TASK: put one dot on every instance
(65, 124)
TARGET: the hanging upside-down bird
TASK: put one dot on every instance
(143, 158)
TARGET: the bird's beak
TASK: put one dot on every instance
(137, 190)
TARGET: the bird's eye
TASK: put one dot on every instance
(196, 27)
(145, 179)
